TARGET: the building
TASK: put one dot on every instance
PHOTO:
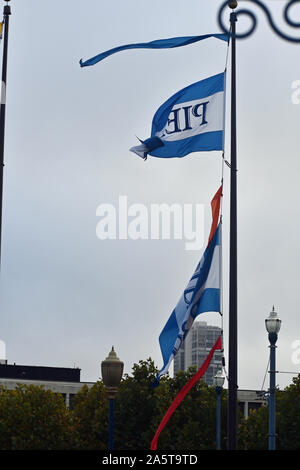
(251, 400)
(62, 380)
(66, 381)
(195, 349)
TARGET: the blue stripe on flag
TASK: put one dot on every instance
(198, 90)
(168, 336)
(210, 301)
(180, 148)
(156, 44)
(191, 304)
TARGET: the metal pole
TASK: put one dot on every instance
(7, 13)
(218, 418)
(111, 423)
(272, 403)
(232, 356)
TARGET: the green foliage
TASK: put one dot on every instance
(33, 418)
(288, 416)
(90, 417)
(253, 431)
(139, 409)
(193, 424)
(137, 403)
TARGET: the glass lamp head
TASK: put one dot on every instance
(273, 323)
(219, 379)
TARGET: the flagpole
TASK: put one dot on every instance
(232, 356)
(6, 13)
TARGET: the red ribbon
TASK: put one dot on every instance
(215, 209)
(182, 393)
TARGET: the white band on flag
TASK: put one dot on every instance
(195, 117)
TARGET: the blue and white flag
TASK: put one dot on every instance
(202, 294)
(168, 43)
(192, 120)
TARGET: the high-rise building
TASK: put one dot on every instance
(195, 349)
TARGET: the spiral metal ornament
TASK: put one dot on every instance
(252, 16)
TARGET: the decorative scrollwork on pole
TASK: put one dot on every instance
(252, 16)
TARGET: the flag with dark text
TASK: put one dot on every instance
(192, 120)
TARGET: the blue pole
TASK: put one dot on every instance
(218, 418)
(272, 403)
(111, 423)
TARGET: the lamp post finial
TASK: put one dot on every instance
(232, 4)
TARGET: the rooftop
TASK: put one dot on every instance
(59, 374)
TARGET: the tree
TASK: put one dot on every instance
(288, 416)
(193, 424)
(137, 406)
(33, 418)
(90, 417)
(253, 431)
(139, 409)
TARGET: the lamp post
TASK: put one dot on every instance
(219, 381)
(273, 324)
(112, 371)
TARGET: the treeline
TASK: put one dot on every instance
(34, 418)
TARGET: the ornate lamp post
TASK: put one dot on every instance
(112, 371)
(232, 376)
(268, 14)
(273, 324)
(219, 381)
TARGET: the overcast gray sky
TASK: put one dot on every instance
(66, 296)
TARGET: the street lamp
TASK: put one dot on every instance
(273, 324)
(112, 371)
(219, 382)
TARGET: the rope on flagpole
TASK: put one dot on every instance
(221, 270)
(227, 53)
(221, 214)
(225, 75)
(263, 384)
